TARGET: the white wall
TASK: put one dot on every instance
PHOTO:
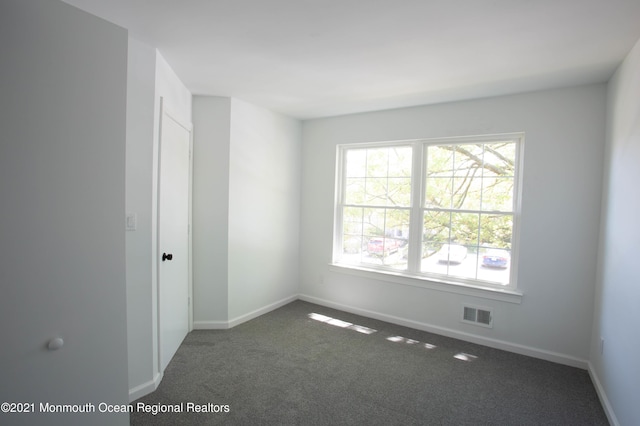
(617, 317)
(139, 184)
(246, 211)
(211, 133)
(62, 185)
(264, 207)
(561, 204)
(175, 94)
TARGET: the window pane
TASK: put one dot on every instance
(373, 222)
(356, 162)
(378, 176)
(397, 225)
(376, 192)
(400, 161)
(399, 192)
(467, 268)
(354, 191)
(496, 230)
(494, 265)
(464, 228)
(376, 236)
(352, 235)
(498, 194)
(351, 248)
(438, 192)
(467, 192)
(377, 162)
(385, 235)
(439, 161)
(396, 241)
(436, 231)
(499, 159)
(467, 158)
(352, 221)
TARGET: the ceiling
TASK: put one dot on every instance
(317, 58)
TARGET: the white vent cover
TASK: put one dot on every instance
(478, 316)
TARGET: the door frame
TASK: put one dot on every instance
(164, 111)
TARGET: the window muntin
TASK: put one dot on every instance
(464, 191)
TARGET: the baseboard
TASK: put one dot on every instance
(606, 405)
(145, 388)
(210, 325)
(265, 309)
(224, 325)
(493, 343)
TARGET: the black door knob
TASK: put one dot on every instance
(166, 256)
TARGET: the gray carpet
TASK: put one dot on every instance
(285, 368)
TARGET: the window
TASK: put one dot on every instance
(444, 210)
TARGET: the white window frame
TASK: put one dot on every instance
(413, 275)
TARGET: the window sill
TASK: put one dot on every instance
(494, 293)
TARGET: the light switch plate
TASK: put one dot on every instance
(131, 222)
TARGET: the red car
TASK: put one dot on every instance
(382, 246)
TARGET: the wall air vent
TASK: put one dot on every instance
(477, 316)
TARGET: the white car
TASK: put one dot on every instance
(452, 253)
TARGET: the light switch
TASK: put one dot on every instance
(131, 222)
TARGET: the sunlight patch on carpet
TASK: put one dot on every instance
(465, 357)
(342, 324)
(400, 339)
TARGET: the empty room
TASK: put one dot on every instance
(320, 212)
